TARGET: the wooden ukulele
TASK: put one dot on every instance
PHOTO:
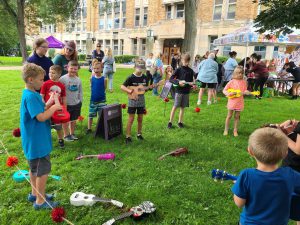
(143, 209)
(137, 90)
(177, 152)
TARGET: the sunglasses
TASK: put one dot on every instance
(70, 50)
(98, 46)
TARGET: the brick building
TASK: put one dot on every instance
(141, 26)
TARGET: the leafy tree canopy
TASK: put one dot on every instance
(278, 15)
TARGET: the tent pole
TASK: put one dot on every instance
(247, 53)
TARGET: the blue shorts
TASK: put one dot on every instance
(95, 107)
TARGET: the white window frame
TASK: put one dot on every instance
(211, 39)
(101, 25)
(168, 13)
(145, 17)
(259, 51)
(230, 4)
(137, 15)
(115, 46)
(179, 11)
(218, 5)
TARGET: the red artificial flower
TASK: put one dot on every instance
(218, 98)
(166, 99)
(197, 109)
(145, 112)
(12, 161)
(16, 132)
(58, 214)
(80, 118)
(123, 106)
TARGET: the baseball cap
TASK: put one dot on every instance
(70, 45)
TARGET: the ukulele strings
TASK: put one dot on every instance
(28, 180)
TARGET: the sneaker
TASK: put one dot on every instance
(180, 125)
(88, 131)
(208, 102)
(235, 133)
(169, 125)
(225, 133)
(32, 198)
(74, 137)
(45, 205)
(68, 138)
(61, 143)
(140, 137)
(128, 140)
(199, 102)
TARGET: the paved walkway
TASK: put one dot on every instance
(85, 67)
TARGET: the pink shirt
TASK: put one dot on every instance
(236, 103)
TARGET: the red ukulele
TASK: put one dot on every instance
(60, 116)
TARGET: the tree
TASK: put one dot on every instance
(36, 12)
(278, 15)
(190, 33)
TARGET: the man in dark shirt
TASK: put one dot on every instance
(295, 71)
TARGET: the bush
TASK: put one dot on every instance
(221, 59)
(81, 57)
(51, 53)
(124, 58)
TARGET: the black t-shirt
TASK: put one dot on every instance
(295, 72)
(97, 56)
(134, 80)
(182, 73)
(292, 159)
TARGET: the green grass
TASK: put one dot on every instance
(181, 188)
(10, 61)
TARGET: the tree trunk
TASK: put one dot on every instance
(190, 15)
(21, 28)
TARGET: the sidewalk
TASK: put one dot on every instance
(84, 67)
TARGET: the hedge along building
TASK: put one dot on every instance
(137, 27)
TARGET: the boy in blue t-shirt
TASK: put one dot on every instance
(266, 192)
(36, 133)
(98, 97)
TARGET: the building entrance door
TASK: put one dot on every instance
(169, 53)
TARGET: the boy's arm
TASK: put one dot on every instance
(125, 89)
(295, 146)
(80, 94)
(105, 83)
(240, 202)
(43, 96)
(49, 112)
(64, 100)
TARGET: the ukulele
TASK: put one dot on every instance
(21, 175)
(106, 156)
(80, 198)
(136, 212)
(60, 116)
(177, 152)
(238, 93)
(184, 82)
(137, 90)
(222, 175)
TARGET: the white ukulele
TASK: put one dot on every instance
(80, 198)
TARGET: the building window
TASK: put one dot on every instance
(107, 43)
(117, 6)
(115, 47)
(124, 6)
(78, 26)
(168, 12)
(84, 26)
(101, 7)
(122, 47)
(116, 22)
(260, 50)
(218, 10)
(231, 9)
(179, 10)
(109, 24)
(101, 24)
(143, 47)
(226, 50)
(124, 22)
(83, 47)
(211, 42)
(137, 18)
(275, 52)
(145, 22)
(134, 47)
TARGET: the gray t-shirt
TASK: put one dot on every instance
(73, 89)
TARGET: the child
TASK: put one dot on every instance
(168, 73)
(138, 105)
(235, 104)
(54, 86)
(36, 134)
(181, 75)
(98, 98)
(74, 99)
(149, 63)
(266, 192)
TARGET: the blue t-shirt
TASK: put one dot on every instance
(36, 136)
(98, 89)
(268, 195)
(43, 61)
(230, 64)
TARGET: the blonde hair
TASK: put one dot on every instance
(96, 62)
(166, 74)
(186, 57)
(73, 63)
(38, 43)
(57, 69)
(108, 52)
(31, 70)
(268, 145)
(238, 73)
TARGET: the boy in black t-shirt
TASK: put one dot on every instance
(136, 102)
(181, 75)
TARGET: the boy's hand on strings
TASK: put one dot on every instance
(181, 83)
(57, 104)
(246, 92)
(51, 99)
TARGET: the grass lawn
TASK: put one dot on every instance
(10, 61)
(181, 188)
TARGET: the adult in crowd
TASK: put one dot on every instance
(40, 48)
(215, 51)
(246, 64)
(158, 72)
(290, 67)
(67, 54)
(196, 64)
(261, 73)
(149, 64)
(175, 61)
(229, 67)
(98, 53)
(207, 76)
(108, 67)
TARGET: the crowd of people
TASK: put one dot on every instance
(50, 86)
